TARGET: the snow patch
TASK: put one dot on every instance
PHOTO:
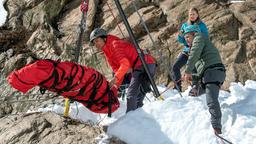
(183, 120)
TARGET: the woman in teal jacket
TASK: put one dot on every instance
(193, 19)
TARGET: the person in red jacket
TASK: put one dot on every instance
(70, 80)
(123, 57)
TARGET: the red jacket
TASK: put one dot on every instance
(122, 56)
(70, 80)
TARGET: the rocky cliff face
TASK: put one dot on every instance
(49, 29)
(42, 128)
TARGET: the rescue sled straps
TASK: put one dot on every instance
(69, 85)
(141, 56)
(98, 80)
(96, 86)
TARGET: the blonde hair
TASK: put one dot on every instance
(197, 12)
(194, 9)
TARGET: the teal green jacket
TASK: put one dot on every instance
(202, 54)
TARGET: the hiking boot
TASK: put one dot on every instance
(217, 131)
(194, 91)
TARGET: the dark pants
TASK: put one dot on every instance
(212, 80)
(138, 87)
(175, 71)
(124, 85)
(212, 95)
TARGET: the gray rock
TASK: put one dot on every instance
(47, 128)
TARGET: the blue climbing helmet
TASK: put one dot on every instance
(191, 28)
(98, 32)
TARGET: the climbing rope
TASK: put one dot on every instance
(101, 120)
(142, 21)
(111, 11)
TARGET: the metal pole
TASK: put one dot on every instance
(141, 56)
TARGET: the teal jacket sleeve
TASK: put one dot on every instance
(180, 38)
(204, 29)
(195, 53)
